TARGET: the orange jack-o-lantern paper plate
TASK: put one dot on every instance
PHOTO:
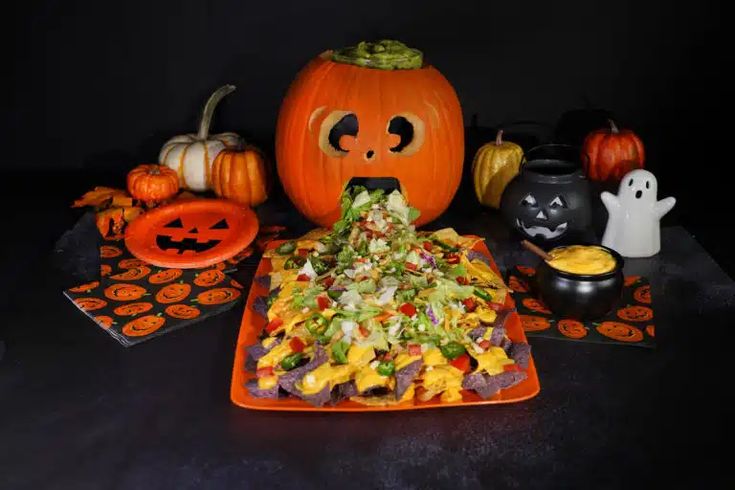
(192, 234)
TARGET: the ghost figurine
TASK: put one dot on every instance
(633, 228)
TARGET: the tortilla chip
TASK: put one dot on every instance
(252, 387)
(520, 352)
(405, 376)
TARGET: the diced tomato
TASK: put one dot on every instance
(323, 302)
(387, 356)
(452, 259)
(411, 266)
(427, 246)
(273, 325)
(363, 331)
(303, 277)
(407, 309)
(485, 344)
(264, 372)
(462, 280)
(512, 367)
(302, 252)
(296, 344)
(462, 363)
(328, 281)
(414, 350)
(469, 304)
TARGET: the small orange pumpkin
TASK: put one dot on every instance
(240, 175)
(144, 325)
(85, 288)
(104, 321)
(165, 275)
(108, 251)
(133, 309)
(621, 332)
(209, 278)
(517, 285)
(526, 271)
(533, 323)
(218, 296)
(130, 263)
(153, 183)
(105, 270)
(630, 280)
(651, 330)
(535, 305)
(124, 292)
(132, 274)
(183, 312)
(236, 284)
(90, 304)
(173, 293)
(643, 294)
(635, 313)
(610, 153)
(572, 328)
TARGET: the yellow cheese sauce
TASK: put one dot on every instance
(581, 259)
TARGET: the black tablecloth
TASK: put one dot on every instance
(77, 410)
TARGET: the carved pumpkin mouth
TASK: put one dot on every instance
(388, 184)
(547, 233)
(185, 245)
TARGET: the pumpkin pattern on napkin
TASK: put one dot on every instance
(631, 322)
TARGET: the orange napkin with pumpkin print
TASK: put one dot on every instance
(631, 322)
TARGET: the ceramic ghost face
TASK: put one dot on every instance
(638, 188)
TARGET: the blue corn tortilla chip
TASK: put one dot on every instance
(520, 353)
(260, 306)
(474, 254)
(497, 336)
(486, 385)
(264, 281)
(343, 391)
(509, 378)
(255, 352)
(405, 376)
(318, 399)
(477, 332)
(252, 387)
(288, 380)
(505, 344)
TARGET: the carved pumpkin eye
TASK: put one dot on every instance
(174, 224)
(409, 129)
(529, 200)
(220, 225)
(334, 127)
(558, 202)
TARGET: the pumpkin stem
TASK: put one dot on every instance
(499, 137)
(208, 111)
(613, 127)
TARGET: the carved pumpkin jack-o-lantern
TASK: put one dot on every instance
(192, 234)
(374, 110)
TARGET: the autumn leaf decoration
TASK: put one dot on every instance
(115, 208)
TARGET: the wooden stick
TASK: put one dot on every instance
(535, 249)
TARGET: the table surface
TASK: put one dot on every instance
(77, 410)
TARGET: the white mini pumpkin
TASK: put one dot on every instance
(192, 155)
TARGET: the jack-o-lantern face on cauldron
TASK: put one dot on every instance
(190, 234)
(548, 202)
(370, 111)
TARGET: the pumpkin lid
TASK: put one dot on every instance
(385, 54)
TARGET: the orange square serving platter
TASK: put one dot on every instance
(252, 324)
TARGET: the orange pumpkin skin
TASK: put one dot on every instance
(108, 251)
(621, 332)
(610, 153)
(651, 330)
(165, 275)
(241, 176)
(90, 304)
(635, 313)
(183, 312)
(104, 321)
(209, 278)
(132, 309)
(572, 328)
(535, 305)
(105, 270)
(153, 183)
(534, 323)
(85, 288)
(526, 271)
(173, 293)
(130, 263)
(132, 274)
(144, 325)
(124, 292)
(314, 172)
(517, 285)
(218, 296)
(643, 294)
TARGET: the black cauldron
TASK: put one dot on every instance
(549, 202)
(580, 296)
